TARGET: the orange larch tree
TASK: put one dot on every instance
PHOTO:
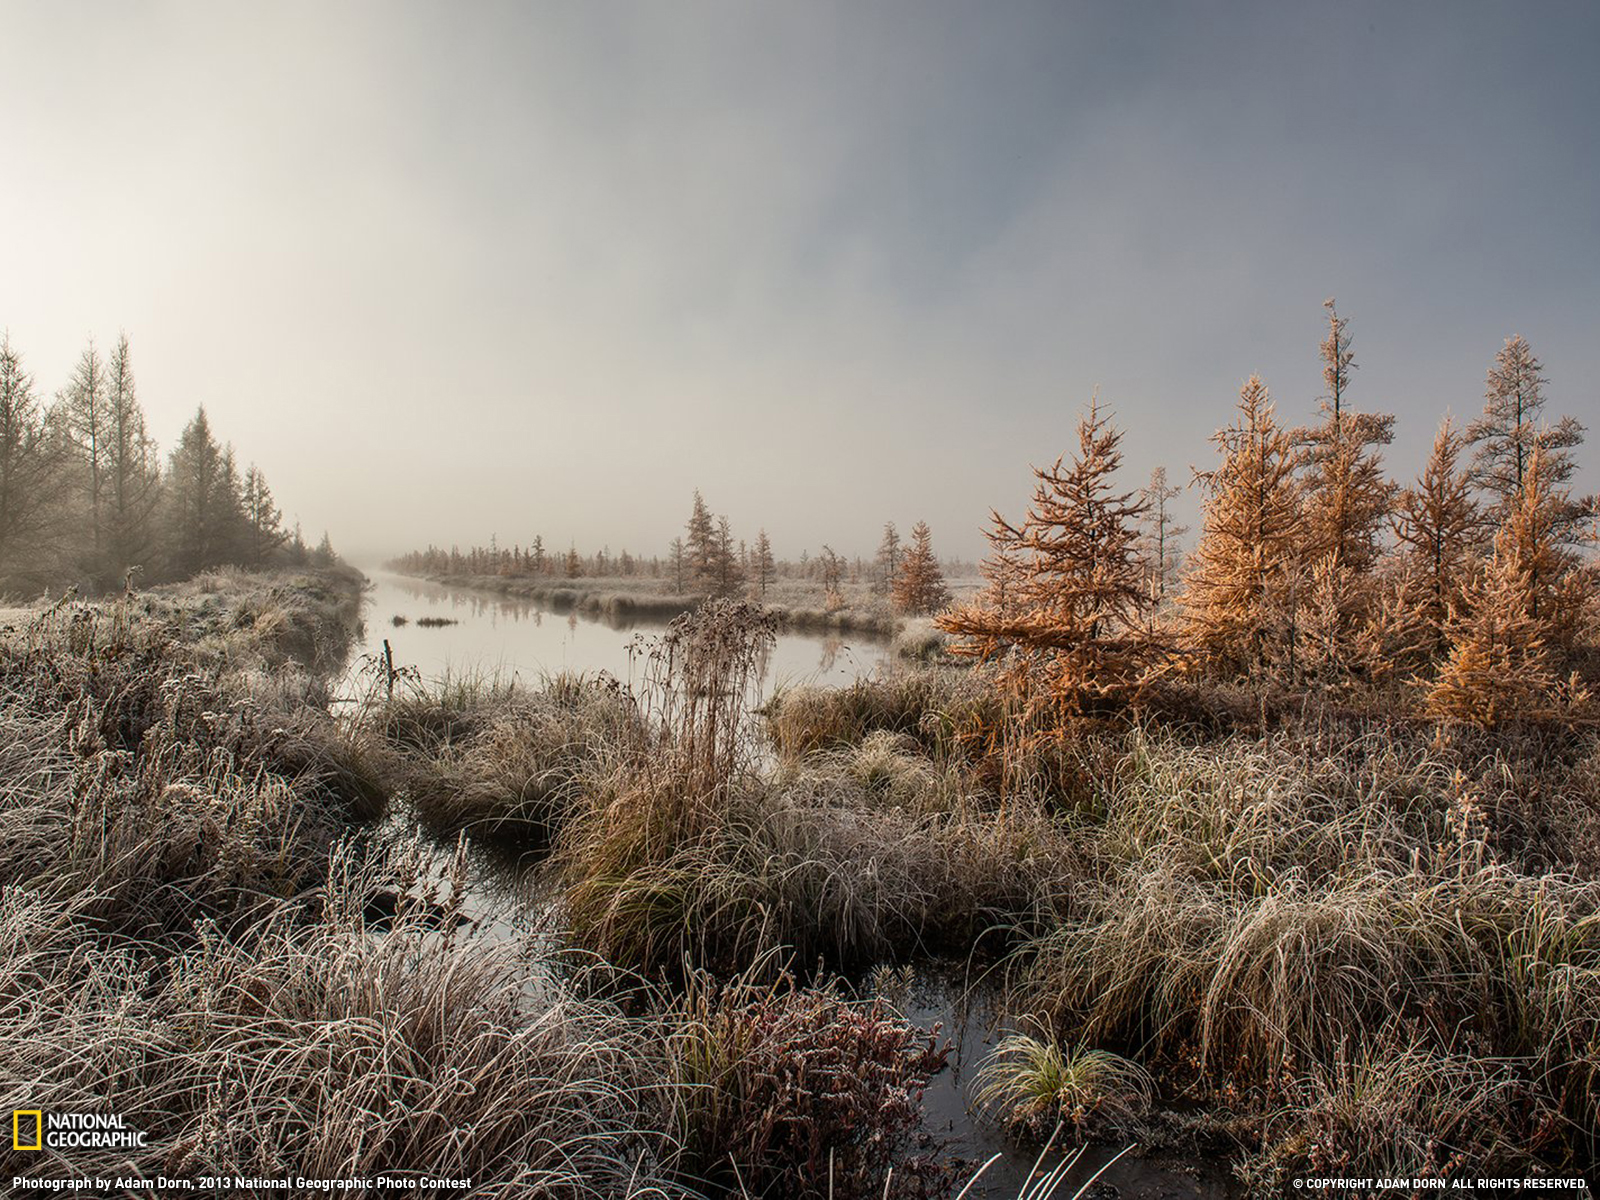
(919, 586)
(1240, 593)
(1067, 595)
(1437, 524)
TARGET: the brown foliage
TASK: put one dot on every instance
(1066, 596)
(1239, 597)
(919, 584)
(1436, 524)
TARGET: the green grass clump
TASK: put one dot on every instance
(1037, 1083)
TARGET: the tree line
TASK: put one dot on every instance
(1468, 587)
(85, 498)
(708, 560)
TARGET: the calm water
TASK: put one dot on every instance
(511, 635)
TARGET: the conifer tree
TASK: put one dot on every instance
(1436, 523)
(679, 558)
(203, 503)
(1066, 598)
(762, 562)
(263, 520)
(1159, 544)
(574, 564)
(919, 587)
(83, 404)
(1498, 666)
(725, 565)
(1240, 595)
(1505, 436)
(700, 544)
(131, 473)
(32, 483)
(1518, 615)
(1347, 506)
(888, 560)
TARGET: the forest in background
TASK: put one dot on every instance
(86, 501)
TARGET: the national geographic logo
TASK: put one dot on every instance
(34, 1129)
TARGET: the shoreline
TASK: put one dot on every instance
(600, 598)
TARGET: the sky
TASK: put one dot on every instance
(447, 271)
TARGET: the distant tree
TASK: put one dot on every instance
(888, 560)
(700, 544)
(323, 555)
(32, 482)
(1067, 597)
(538, 554)
(204, 510)
(263, 521)
(298, 553)
(83, 404)
(1436, 523)
(131, 480)
(1159, 545)
(761, 562)
(574, 565)
(679, 560)
(919, 585)
(1239, 595)
(831, 567)
(1504, 437)
(725, 563)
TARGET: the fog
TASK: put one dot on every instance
(450, 271)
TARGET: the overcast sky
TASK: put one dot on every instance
(447, 270)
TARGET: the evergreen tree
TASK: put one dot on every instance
(83, 404)
(1504, 437)
(263, 520)
(700, 545)
(679, 559)
(762, 562)
(1239, 596)
(1436, 523)
(204, 513)
(888, 560)
(725, 564)
(1348, 500)
(1159, 544)
(1498, 666)
(919, 586)
(131, 473)
(32, 481)
(1067, 598)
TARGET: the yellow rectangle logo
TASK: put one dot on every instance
(17, 1115)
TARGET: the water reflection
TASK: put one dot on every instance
(508, 635)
